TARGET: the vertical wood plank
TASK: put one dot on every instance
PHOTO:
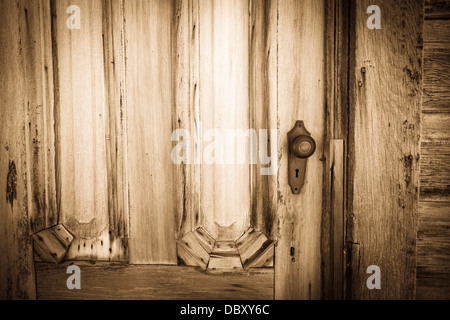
(300, 97)
(26, 83)
(224, 105)
(385, 95)
(337, 215)
(116, 126)
(186, 115)
(263, 108)
(84, 124)
(337, 42)
(149, 104)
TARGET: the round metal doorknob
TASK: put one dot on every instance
(303, 146)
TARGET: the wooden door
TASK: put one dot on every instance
(206, 67)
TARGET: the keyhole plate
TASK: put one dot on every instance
(297, 165)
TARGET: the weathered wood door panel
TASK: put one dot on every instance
(149, 105)
(84, 121)
(300, 96)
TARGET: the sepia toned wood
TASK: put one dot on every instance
(192, 252)
(263, 257)
(37, 48)
(385, 100)
(336, 211)
(113, 281)
(52, 244)
(186, 112)
(337, 54)
(224, 257)
(433, 274)
(116, 127)
(433, 247)
(301, 30)
(437, 9)
(436, 63)
(150, 169)
(248, 248)
(224, 105)
(81, 130)
(435, 157)
(263, 109)
(205, 239)
(27, 201)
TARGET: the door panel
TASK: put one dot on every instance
(149, 101)
(224, 105)
(300, 97)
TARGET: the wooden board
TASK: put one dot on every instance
(223, 97)
(52, 244)
(336, 133)
(301, 66)
(436, 65)
(435, 157)
(263, 41)
(186, 111)
(86, 176)
(384, 150)
(117, 282)
(433, 254)
(437, 9)
(433, 247)
(149, 105)
(27, 185)
(225, 257)
(192, 251)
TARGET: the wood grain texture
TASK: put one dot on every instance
(433, 275)
(436, 60)
(27, 200)
(437, 9)
(263, 41)
(81, 122)
(301, 93)
(118, 282)
(186, 113)
(433, 247)
(384, 150)
(116, 126)
(149, 104)
(435, 157)
(337, 215)
(224, 105)
(337, 105)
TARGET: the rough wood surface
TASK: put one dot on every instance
(433, 274)
(27, 199)
(186, 110)
(301, 68)
(192, 251)
(337, 215)
(115, 281)
(437, 9)
(436, 60)
(384, 149)
(433, 247)
(52, 244)
(149, 104)
(435, 157)
(263, 41)
(337, 67)
(82, 129)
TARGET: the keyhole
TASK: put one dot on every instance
(296, 173)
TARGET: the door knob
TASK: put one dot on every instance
(301, 147)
